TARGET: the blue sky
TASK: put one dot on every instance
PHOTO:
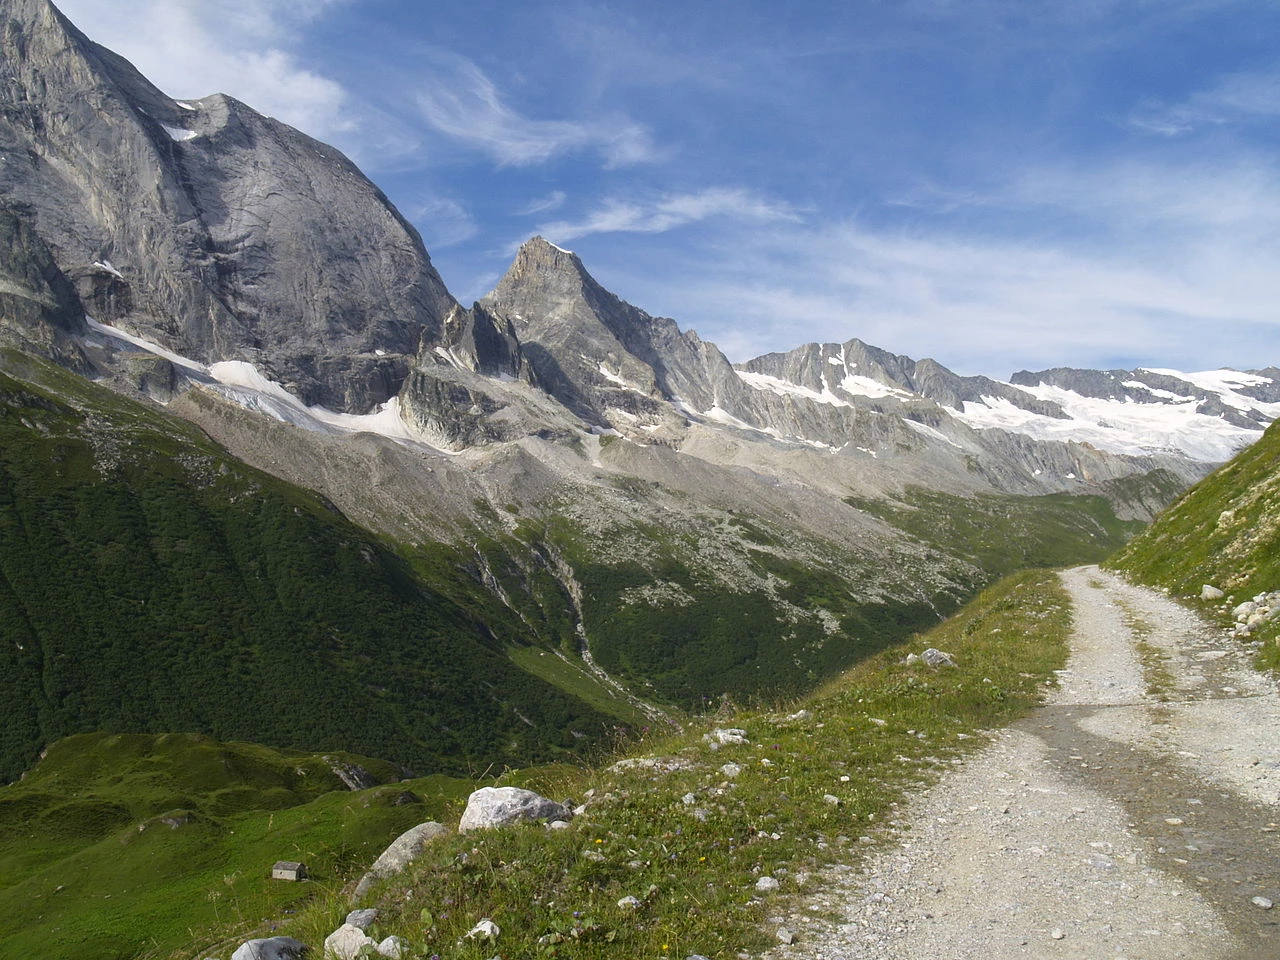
(999, 184)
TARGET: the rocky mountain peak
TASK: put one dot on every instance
(206, 227)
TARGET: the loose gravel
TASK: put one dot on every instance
(1133, 816)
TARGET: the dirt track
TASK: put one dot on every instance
(1136, 815)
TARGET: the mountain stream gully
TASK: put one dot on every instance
(1135, 815)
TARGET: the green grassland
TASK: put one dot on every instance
(1224, 531)
(1001, 534)
(117, 844)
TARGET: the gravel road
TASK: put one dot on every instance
(1136, 815)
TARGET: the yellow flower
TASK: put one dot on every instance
(599, 841)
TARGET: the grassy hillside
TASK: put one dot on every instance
(1001, 534)
(150, 583)
(817, 783)
(116, 844)
(1224, 531)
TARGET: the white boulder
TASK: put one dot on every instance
(271, 948)
(501, 806)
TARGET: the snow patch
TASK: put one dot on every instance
(179, 133)
(1224, 384)
(932, 433)
(146, 345)
(764, 382)
(615, 378)
(109, 267)
(243, 383)
(1118, 426)
(860, 386)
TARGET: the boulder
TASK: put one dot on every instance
(271, 948)
(346, 942)
(392, 947)
(1210, 592)
(936, 658)
(502, 806)
(486, 929)
(404, 850)
(725, 736)
(364, 919)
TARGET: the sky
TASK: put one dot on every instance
(997, 184)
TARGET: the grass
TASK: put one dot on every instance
(1224, 531)
(1002, 533)
(574, 678)
(690, 842)
(114, 845)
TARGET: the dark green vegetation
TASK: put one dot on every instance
(867, 740)
(151, 583)
(1224, 531)
(114, 844)
(1000, 534)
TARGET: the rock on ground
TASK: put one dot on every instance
(271, 948)
(403, 850)
(501, 806)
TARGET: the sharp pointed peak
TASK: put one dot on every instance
(539, 242)
(539, 257)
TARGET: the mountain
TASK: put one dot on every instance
(578, 514)
(206, 227)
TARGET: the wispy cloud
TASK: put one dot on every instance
(1235, 98)
(191, 48)
(1179, 266)
(552, 201)
(671, 211)
(462, 102)
(443, 221)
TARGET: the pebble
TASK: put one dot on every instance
(1262, 902)
(1057, 933)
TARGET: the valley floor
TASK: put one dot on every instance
(1137, 814)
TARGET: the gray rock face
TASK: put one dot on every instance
(204, 226)
(39, 308)
(502, 806)
(609, 362)
(271, 948)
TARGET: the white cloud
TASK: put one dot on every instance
(671, 211)
(552, 201)
(462, 102)
(444, 222)
(1234, 98)
(1173, 266)
(191, 48)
